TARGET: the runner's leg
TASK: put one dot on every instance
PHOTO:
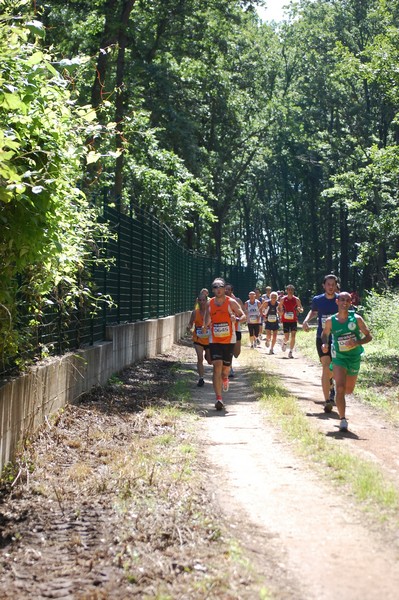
(325, 376)
(274, 339)
(200, 360)
(217, 377)
(340, 377)
(292, 339)
(350, 384)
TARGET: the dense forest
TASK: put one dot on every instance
(271, 145)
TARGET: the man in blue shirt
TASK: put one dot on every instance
(324, 305)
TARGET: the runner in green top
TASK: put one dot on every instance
(350, 333)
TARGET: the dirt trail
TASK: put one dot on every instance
(313, 542)
(370, 436)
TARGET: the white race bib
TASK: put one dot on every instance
(221, 330)
(201, 334)
(271, 318)
(289, 316)
(344, 340)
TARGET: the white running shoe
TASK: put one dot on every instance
(284, 346)
(290, 355)
(343, 425)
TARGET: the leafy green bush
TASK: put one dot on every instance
(382, 317)
(48, 229)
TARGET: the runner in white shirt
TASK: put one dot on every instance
(253, 314)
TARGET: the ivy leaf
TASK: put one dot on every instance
(92, 157)
(36, 27)
(35, 59)
(13, 102)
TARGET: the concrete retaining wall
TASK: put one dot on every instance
(26, 402)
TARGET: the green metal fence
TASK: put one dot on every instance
(152, 275)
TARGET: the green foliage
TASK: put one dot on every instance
(272, 145)
(382, 316)
(48, 229)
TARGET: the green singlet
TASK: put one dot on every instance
(342, 355)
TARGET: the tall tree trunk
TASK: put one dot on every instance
(114, 33)
(109, 38)
(344, 235)
(330, 233)
(120, 98)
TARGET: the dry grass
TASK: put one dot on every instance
(116, 503)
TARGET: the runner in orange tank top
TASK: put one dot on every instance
(222, 313)
(200, 337)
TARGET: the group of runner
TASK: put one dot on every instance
(341, 334)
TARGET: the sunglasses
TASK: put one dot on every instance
(216, 287)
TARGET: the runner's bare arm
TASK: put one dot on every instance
(365, 330)
(237, 310)
(311, 314)
(190, 324)
(240, 302)
(299, 306)
(326, 334)
(207, 319)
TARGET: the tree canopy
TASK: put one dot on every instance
(273, 145)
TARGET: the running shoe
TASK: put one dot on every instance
(271, 351)
(284, 346)
(231, 374)
(225, 385)
(343, 425)
(252, 346)
(267, 343)
(219, 404)
(328, 406)
(200, 382)
(257, 341)
(290, 355)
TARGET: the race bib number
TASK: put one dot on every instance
(253, 319)
(289, 316)
(221, 330)
(201, 334)
(344, 342)
(272, 318)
